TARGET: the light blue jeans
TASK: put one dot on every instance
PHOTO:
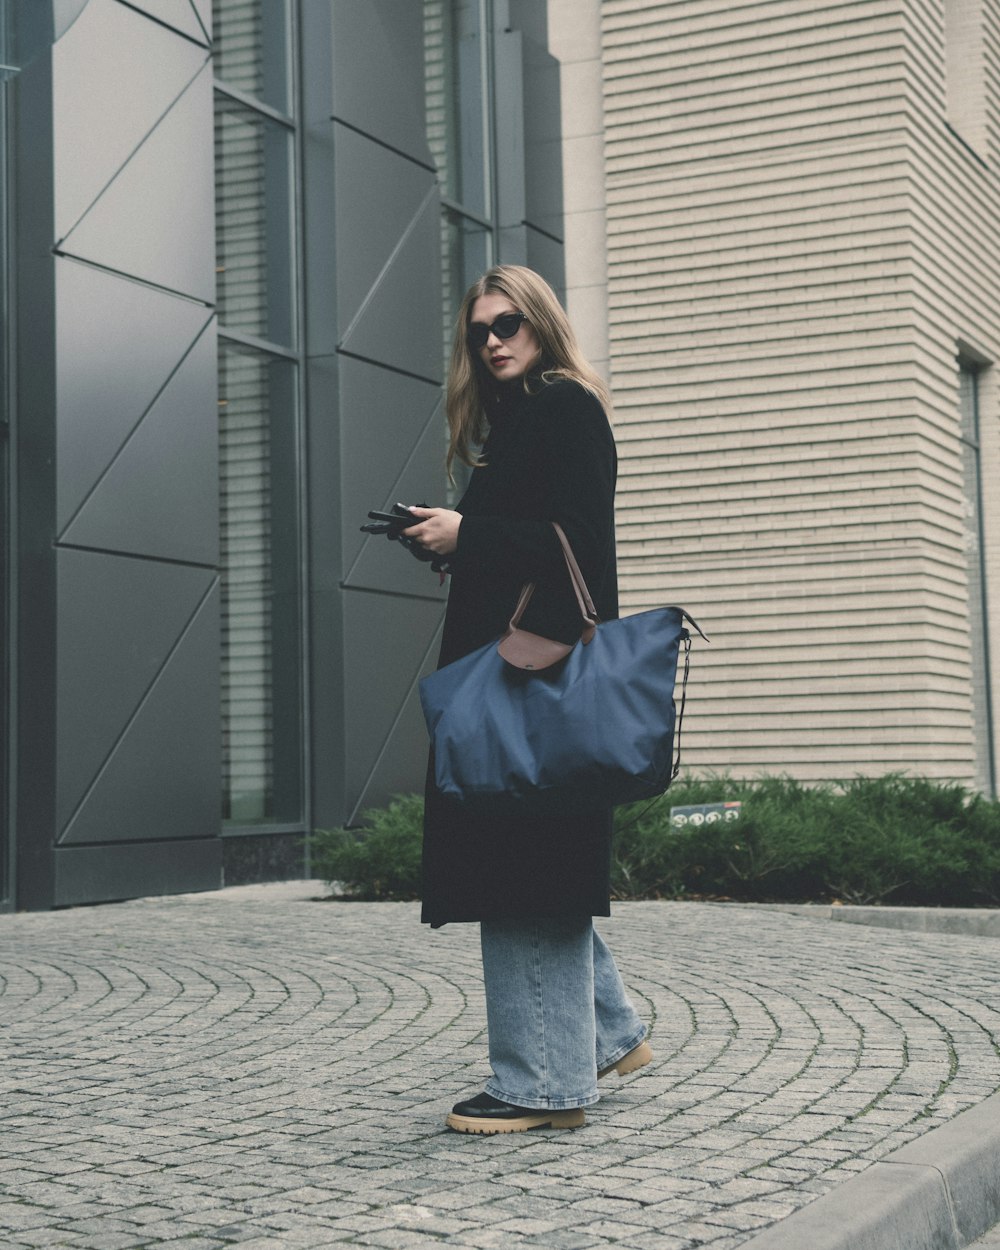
(556, 1010)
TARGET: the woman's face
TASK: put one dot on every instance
(506, 359)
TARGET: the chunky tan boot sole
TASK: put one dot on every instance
(636, 1058)
(572, 1118)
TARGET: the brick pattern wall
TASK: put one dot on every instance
(797, 244)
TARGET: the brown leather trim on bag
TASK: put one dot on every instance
(525, 650)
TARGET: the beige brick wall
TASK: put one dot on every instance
(798, 240)
(575, 39)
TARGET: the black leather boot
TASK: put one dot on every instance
(486, 1114)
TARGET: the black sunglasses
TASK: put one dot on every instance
(505, 327)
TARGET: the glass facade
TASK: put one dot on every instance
(259, 370)
(982, 711)
(457, 60)
(253, 183)
(5, 513)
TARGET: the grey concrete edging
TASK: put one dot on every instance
(963, 921)
(939, 1192)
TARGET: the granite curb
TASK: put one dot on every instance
(940, 1192)
(961, 921)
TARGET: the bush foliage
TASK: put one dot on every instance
(890, 839)
(381, 860)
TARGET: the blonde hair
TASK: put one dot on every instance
(472, 391)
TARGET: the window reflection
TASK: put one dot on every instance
(252, 44)
(253, 159)
(259, 585)
(456, 97)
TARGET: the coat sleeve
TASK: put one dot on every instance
(578, 451)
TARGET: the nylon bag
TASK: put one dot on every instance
(531, 720)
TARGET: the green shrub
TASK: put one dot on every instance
(381, 860)
(895, 839)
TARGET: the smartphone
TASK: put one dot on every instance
(392, 518)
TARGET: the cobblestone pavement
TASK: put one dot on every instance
(254, 1067)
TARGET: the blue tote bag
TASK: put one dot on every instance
(531, 720)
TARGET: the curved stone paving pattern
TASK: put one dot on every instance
(257, 1068)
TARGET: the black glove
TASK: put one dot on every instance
(392, 524)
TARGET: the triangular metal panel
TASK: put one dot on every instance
(387, 644)
(119, 619)
(147, 223)
(105, 100)
(117, 345)
(161, 781)
(378, 83)
(179, 14)
(377, 195)
(203, 8)
(400, 766)
(392, 443)
(159, 497)
(396, 327)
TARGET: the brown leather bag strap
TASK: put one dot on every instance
(583, 599)
(527, 590)
(587, 609)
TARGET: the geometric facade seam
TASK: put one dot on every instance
(64, 537)
(61, 242)
(133, 714)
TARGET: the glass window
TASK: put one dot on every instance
(458, 129)
(982, 713)
(260, 600)
(5, 528)
(262, 651)
(465, 254)
(253, 165)
(465, 174)
(252, 44)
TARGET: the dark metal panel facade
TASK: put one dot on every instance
(118, 345)
(148, 204)
(378, 196)
(115, 74)
(118, 545)
(97, 874)
(388, 409)
(156, 497)
(185, 16)
(378, 72)
(119, 774)
(528, 126)
(388, 325)
(119, 622)
(392, 642)
(368, 167)
(152, 783)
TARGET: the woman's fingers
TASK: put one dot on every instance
(438, 529)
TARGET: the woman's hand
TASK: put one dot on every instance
(437, 531)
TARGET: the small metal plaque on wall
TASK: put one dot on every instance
(704, 814)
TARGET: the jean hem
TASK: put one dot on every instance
(623, 1050)
(540, 1104)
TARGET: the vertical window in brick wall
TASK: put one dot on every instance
(982, 711)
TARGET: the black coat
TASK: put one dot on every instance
(550, 456)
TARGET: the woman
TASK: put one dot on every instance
(557, 1013)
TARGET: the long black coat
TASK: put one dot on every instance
(550, 456)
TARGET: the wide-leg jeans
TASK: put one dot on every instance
(556, 1010)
